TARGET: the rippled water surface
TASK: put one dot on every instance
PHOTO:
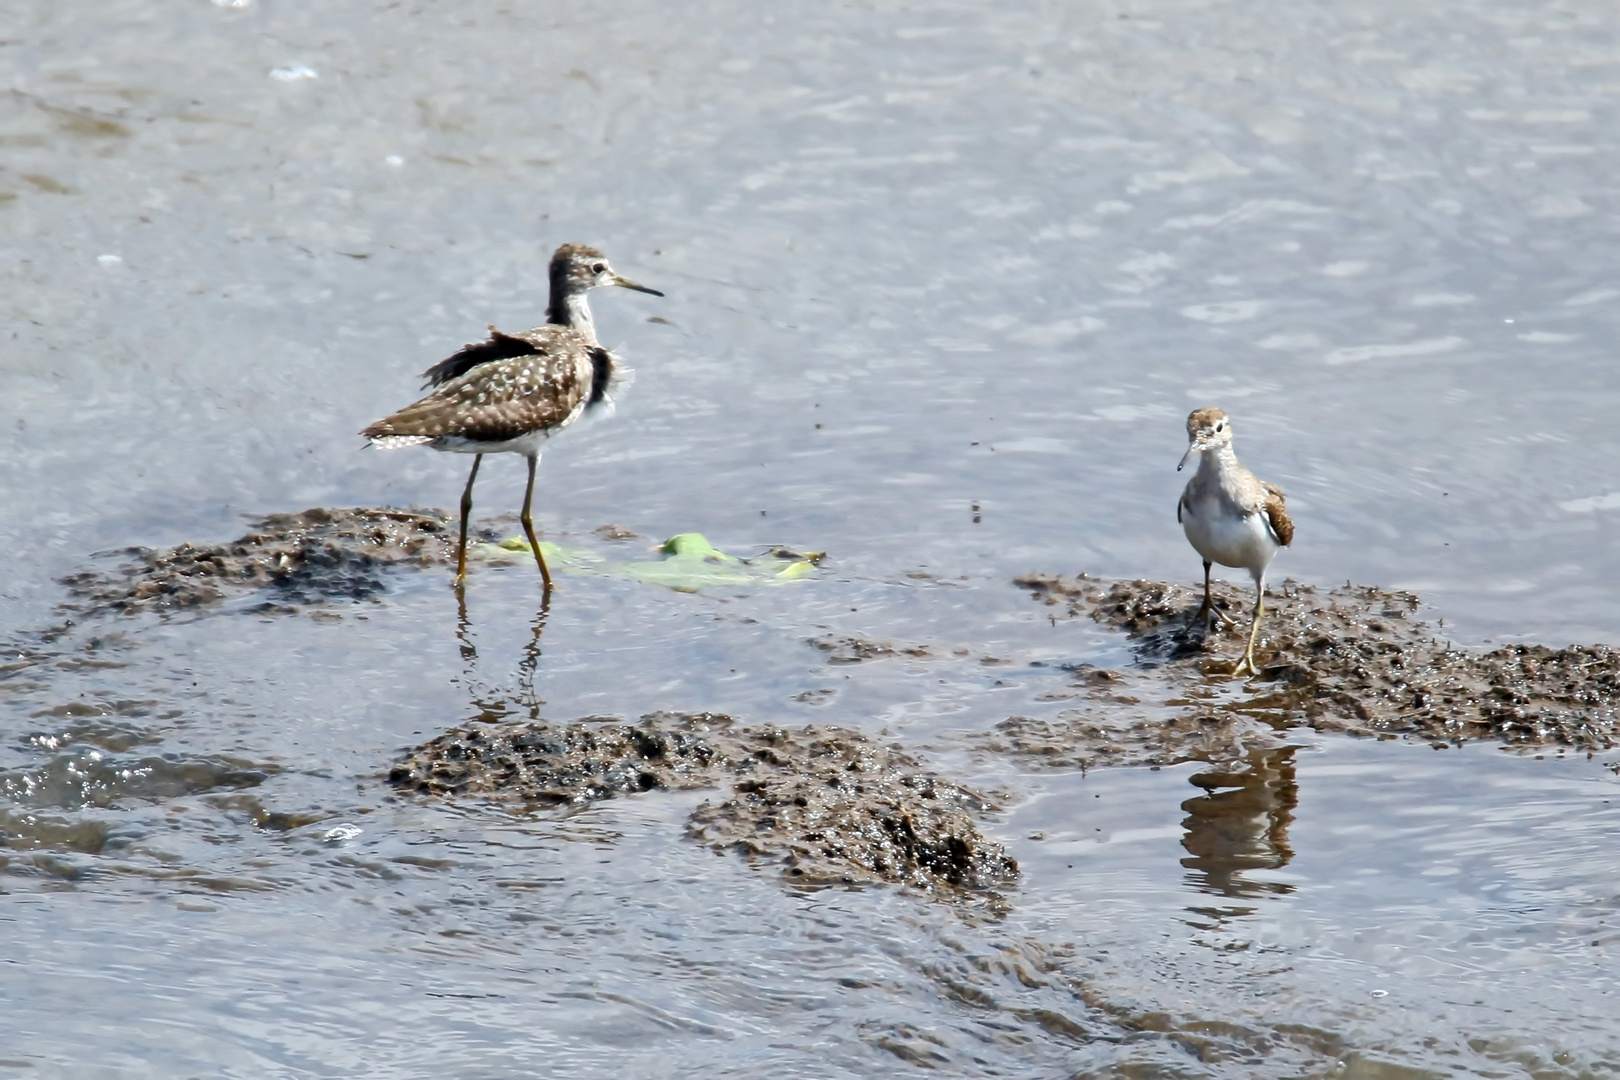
(944, 280)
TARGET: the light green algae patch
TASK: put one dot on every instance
(689, 563)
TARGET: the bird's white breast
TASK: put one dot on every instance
(527, 444)
(1222, 535)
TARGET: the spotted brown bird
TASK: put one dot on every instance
(513, 392)
(1230, 516)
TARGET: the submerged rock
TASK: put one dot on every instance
(1355, 659)
(828, 805)
(302, 558)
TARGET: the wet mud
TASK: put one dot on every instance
(849, 649)
(77, 778)
(826, 805)
(1096, 734)
(316, 556)
(1353, 659)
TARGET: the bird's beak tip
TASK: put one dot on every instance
(626, 283)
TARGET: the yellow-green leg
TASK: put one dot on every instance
(466, 511)
(528, 527)
(1247, 665)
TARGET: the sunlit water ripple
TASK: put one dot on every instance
(944, 280)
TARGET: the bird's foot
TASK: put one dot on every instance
(1246, 666)
(1209, 613)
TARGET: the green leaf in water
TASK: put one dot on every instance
(689, 563)
(695, 546)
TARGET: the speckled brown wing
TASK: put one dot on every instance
(500, 399)
(498, 346)
(1277, 514)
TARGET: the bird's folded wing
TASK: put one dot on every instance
(495, 401)
(1277, 514)
(498, 346)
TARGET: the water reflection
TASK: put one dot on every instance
(1240, 824)
(491, 701)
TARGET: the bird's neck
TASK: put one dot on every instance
(1218, 463)
(570, 309)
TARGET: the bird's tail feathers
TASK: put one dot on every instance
(394, 442)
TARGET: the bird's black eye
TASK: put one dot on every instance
(1221, 426)
(597, 268)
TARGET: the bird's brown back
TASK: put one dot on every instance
(534, 381)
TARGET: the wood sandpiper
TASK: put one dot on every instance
(1230, 516)
(511, 393)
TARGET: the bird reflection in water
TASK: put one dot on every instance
(493, 703)
(1240, 823)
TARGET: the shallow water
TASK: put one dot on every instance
(944, 280)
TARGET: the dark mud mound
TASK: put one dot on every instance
(833, 807)
(574, 763)
(827, 805)
(1355, 658)
(315, 556)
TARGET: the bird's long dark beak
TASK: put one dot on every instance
(1191, 450)
(625, 283)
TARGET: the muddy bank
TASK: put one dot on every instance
(826, 805)
(1347, 659)
(326, 556)
(314, 556)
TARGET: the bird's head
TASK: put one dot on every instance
(576, 268)
(1207, 429)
